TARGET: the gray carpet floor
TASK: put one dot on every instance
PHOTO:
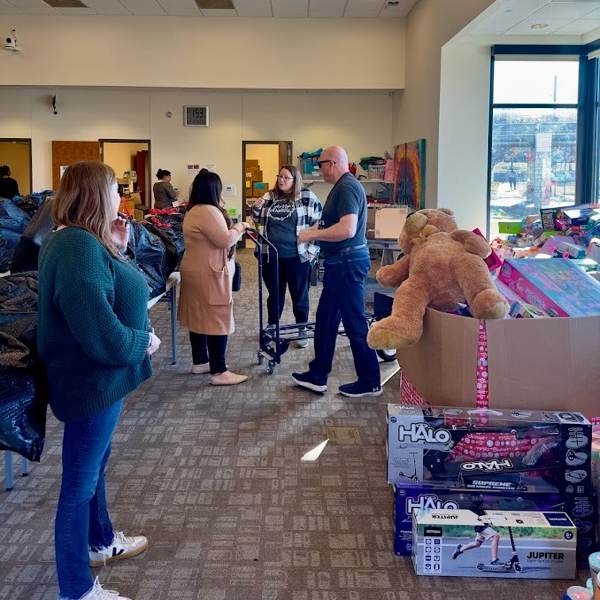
(214, 478)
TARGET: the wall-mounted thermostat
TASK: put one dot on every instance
(195, 116)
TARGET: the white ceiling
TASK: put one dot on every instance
(243, 8)
(515, 17)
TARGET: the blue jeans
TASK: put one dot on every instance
(82, 519)
(343, 298)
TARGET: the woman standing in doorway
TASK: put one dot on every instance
(164, 193)
(280, 215)
(207, 268)
(95, 343)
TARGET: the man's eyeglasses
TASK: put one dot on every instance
(284, 177)
(324, 162)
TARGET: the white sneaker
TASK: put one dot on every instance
(201, 369)
(99, 593)
(121, 547)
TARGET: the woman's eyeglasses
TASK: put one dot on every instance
(285, 177)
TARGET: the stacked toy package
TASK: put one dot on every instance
(556, 286)
(459, 458)
(580, 507)
(521, 545)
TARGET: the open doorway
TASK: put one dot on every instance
(130, 160)
(16, 154)
(261, 162)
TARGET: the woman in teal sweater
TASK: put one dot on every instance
(95, 342)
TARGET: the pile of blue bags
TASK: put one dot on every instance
(25, 222)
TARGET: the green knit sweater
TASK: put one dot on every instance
(92, 324)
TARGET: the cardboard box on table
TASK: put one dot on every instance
(537, 364)
(388, 222)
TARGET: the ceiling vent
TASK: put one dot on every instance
(195, 116)
(215, 4)
(65, 3)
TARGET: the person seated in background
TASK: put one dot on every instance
(280, 215)
(164, 193)
(9, 188)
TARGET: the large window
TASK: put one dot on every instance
(533, 154)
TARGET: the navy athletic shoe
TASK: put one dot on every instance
(457, 552)
(495, 562)
(358, 390)
(310, 382)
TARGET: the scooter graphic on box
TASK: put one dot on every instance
(483, 533)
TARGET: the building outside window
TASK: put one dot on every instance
(534, 136)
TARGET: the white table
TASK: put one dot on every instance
(170, 296)
(388, 248)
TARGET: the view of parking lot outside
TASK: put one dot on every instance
(533, 153)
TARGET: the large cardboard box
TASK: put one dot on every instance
(537, 364)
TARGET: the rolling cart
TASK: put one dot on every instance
(274, 340)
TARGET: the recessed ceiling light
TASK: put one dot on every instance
(65, 3)
(538, 26)
(215, 4)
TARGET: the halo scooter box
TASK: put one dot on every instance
(509, 450)
(580, 508)
(518, 545)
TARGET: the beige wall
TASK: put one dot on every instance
(16, 156)
(430, 25)
(268, 157)
(463, 132)
(121, 156)
(359, 121)
(233, 53)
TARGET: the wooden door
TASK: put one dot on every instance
(285, 154)
(67, 153)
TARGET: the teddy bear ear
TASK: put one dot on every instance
(448, 211)
(415, 222)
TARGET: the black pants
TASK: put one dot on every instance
(209, 349)
(293, 274)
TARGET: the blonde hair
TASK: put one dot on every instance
(84, 200)
(297, 186)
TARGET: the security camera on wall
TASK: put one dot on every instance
(10, 42)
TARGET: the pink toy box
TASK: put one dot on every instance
(555, 285)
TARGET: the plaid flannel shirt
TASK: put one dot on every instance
(308, 211)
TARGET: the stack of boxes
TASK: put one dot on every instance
(255, 186)
(459, 458)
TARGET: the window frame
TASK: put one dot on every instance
(588, 113)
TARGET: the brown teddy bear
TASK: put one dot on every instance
(442, 266)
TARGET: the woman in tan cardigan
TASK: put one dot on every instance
(206, 301)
